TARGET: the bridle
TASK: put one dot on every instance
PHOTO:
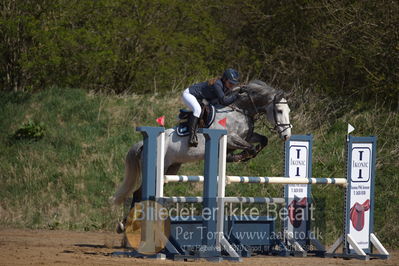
(277, 125)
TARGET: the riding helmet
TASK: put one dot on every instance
(231, 75)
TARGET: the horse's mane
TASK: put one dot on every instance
(260, 87)
(258, 93)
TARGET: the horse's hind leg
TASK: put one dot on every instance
(136, 197)
(121, 226)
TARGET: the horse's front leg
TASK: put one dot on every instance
(235, 142)
(258, 138)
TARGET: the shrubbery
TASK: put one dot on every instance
(30, 130)
(346, 48)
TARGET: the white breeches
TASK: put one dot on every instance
(191, 103)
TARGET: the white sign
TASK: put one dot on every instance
(359, 224)
(298, 167)
(298, 193)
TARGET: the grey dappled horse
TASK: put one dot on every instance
(257, 99)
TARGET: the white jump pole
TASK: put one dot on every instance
(264, 200)
(184, 178)
(184, 199)
(285, 180)
(160, 165)
(221, 241)
(262, 180)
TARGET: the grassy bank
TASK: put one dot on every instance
(63, 177)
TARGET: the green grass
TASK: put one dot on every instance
(64, 179)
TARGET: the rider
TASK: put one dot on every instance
(214, 89)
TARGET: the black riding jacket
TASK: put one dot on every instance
(203, 90)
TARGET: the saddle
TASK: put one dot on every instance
(357, 213)
(206, 119)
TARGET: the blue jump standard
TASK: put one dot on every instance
(150, 135)
(211, 169)
(207, 249)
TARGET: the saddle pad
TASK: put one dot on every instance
(182, 129)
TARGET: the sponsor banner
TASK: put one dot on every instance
(360, 175)
(298, 164)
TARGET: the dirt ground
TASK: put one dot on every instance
(34, 247)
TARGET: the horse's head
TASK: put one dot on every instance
(278, 113)
(258, 98)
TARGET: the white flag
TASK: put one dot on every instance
(350, 128)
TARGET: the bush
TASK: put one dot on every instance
(30, 131)
(338, 48)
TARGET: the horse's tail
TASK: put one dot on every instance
(132, 181)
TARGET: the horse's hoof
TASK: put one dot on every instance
(120, 228)
(252, 152)
(258, 148)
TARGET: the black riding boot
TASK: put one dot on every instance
(193, 125)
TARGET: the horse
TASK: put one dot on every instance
(254, 100)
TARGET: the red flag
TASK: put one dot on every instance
(223, 122)
(161, 120)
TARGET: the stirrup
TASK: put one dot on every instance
(193, 141)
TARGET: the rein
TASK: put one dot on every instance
(253, 104)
